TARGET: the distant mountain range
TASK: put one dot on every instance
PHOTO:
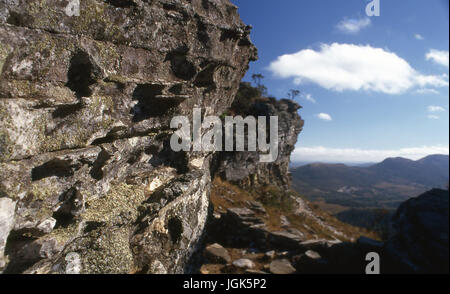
(381, 185)
(296, 164)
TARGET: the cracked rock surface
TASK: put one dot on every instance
(88, 182)
(245, 168)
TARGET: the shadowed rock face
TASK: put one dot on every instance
(419, 243)
(85, 106)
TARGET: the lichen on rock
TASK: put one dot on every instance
(85, 106)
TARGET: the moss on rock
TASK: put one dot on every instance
(117, 206)
(109, 253)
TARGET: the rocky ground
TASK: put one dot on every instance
(268, 230)
(249, 234)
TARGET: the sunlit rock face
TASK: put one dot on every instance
(246, 168)
(88, 181)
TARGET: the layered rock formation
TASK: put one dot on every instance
(88, 182)
(245, 169)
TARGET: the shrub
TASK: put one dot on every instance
(245, 98)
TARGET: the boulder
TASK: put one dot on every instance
(215, 253)
(284, 240)
(312, 254)
(245, 217)
(281, 267)
(244, 263)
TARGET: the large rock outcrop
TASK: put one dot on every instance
(245, 169)
(88, 182)
(419, 242)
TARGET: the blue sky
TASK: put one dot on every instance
(372, 87)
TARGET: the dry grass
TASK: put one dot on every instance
(329, 207)
(277, 203)
(352, 231)
(225, 195)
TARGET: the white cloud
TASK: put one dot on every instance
(347, 155)
(433, 116)
(310, 98)
(419, 37)
(433, 108)
(427, 91)
(353, 26)
(342, 67)
(437, 56)
(324, 116)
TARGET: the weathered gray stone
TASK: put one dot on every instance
(312, 254)
(7, 207)
(47, 225)
(281, 267)
(245, 217)
(24, 252)
(85, 107)
(215, 253)
(257, 206)
(244, 263)
(73, 263)
(284, 240)
(284, 221)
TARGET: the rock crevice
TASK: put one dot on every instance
(87, 181)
